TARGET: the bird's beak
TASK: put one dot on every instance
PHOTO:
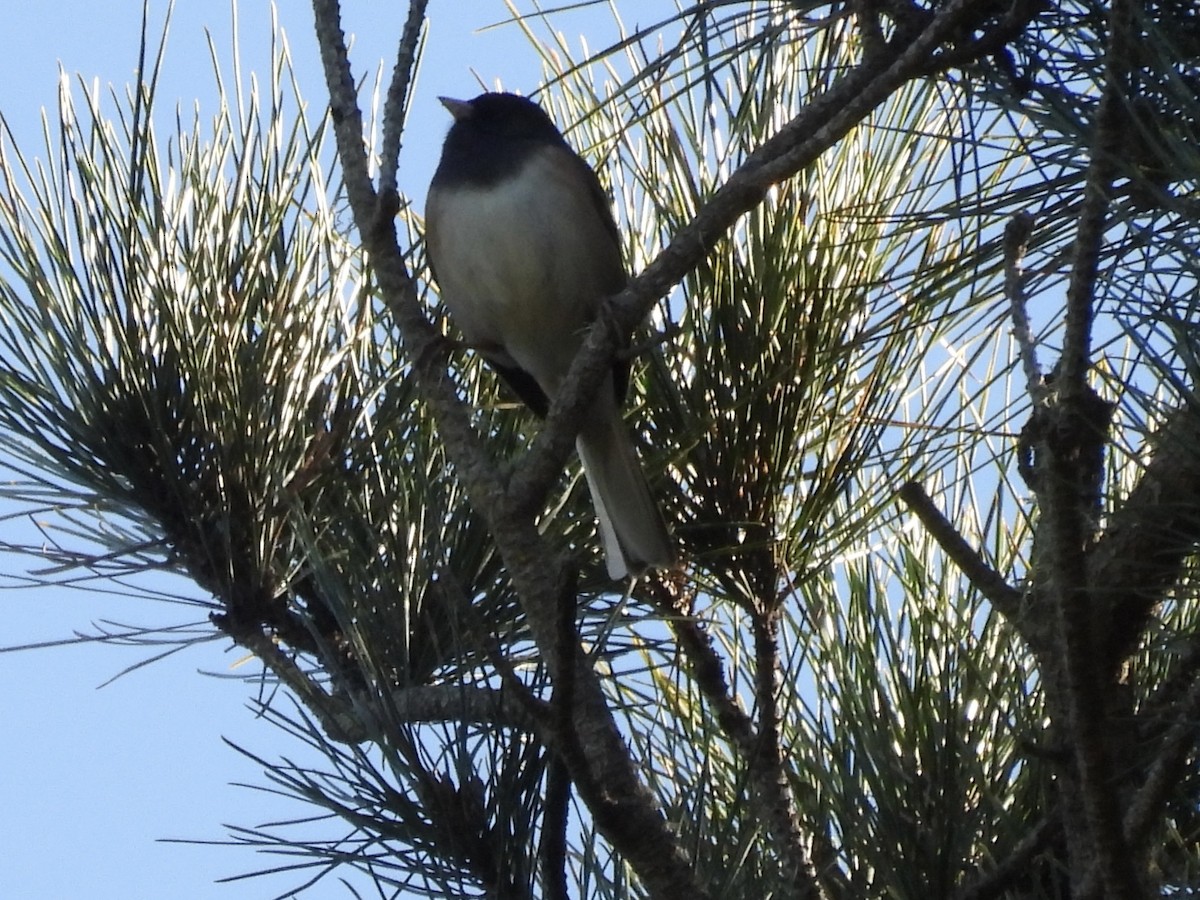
(460, 109)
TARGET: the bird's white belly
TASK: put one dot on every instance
(530, 273)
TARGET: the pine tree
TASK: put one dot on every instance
(914, 330)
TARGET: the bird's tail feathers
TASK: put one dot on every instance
(631, 527)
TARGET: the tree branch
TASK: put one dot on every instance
(1016, 242)
(1016, 866)
(338, 719)
(1150, 537)
(982, 576)
(346, 721)
(818, 126)
(1163, 778)
(552, 854)
(395, 107)
(1108, 136)
(706, 669)
(1161, 781)
(623, 808)
(460, 703)
(767, 766)
(771, 790)
(1070, 443)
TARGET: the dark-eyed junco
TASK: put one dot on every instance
(524, 249)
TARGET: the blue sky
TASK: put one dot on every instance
(91, 779)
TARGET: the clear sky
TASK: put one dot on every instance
(92, 779)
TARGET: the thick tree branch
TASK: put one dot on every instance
(1147, 806)
(1070, 439)
(1076, 360)
(1150, 537)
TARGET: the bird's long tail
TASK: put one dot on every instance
(631, 527)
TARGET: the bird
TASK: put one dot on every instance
(521, 240)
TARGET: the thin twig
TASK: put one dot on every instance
(460, 703)
(771, 791)
(767, 766)
(338, 719)
(706, 668)
(395, 107)
(557, 805)
(1016, 242)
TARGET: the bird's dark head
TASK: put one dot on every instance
(500, 115)
(492, 138)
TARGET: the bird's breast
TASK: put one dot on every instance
(524, 264)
